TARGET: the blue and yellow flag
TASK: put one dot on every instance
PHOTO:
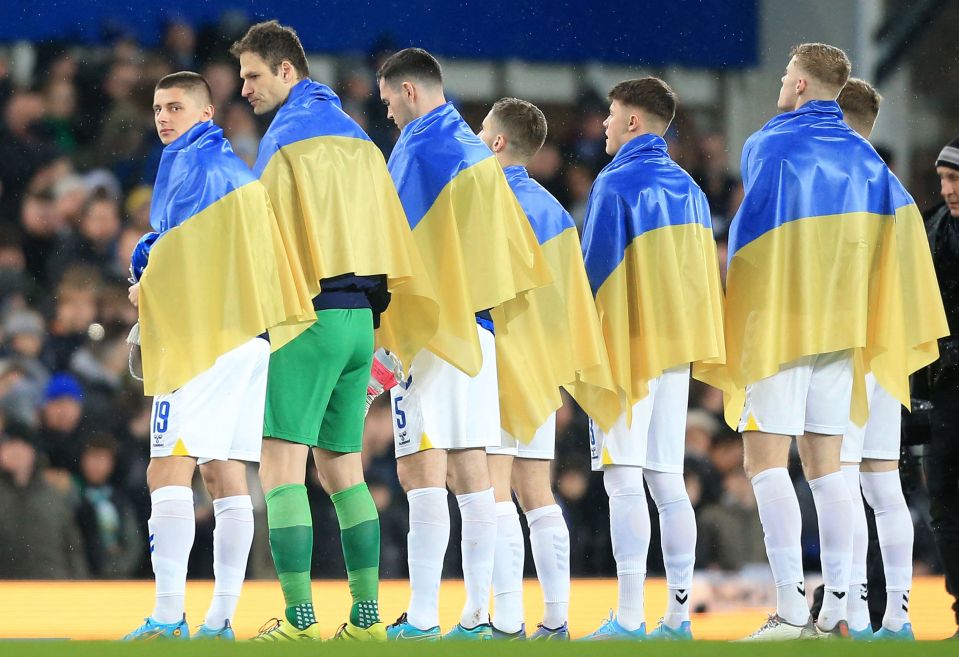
(569, 342)
(827, 252)
(474, 237)
(652, 264)
(218, 275)
(339, 213)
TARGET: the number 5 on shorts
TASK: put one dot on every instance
(399, 413)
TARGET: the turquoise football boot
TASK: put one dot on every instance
(664, 632)
(403, 630)
(482, 632)
(519, 635)
(611, 630)
(544, 633)
(153, 630)
(224, 633)
(905, 634)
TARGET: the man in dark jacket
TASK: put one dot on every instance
(942, 455)
(38, 536)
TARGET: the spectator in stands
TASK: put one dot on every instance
(94, 241)
(111, 538)
(60, 415)
(76, 309)
(39, 538)
(730, 534)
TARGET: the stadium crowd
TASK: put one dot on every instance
(78, 153)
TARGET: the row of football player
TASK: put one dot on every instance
(326, 200)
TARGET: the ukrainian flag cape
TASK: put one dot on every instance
(827, 252)
(218, 275)
(652, 264)
(471, 231)
(339, 213)
(569, 346)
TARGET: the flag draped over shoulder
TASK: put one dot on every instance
(479, 248)
(651, 260)
(569, 342)
(827, 252)
(218, 275)
(339, 213)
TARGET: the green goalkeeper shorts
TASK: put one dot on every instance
(316, 385)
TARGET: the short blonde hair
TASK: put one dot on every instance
(859, 102)
(827, 64)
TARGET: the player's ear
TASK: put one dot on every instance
(499, 144)
(208, 113)
(409, 91)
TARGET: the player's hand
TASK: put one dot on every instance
(133, 294)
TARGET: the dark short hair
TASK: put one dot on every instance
(274, 43)
(190, 82)
(523, 123)
(413, 63)
(648, 94)
(101, 440)
(860, 99)
(828, 64)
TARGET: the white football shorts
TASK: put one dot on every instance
(811, 394)
(542, 446)
(879, 439)
(218, 414)
(656, 440)
(440, 407)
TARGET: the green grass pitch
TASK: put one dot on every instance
(813, 648)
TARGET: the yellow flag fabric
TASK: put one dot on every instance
(566, 342)
(652, 263)
(339, 213)
(472, 234)
(827, 253)
(212, 283)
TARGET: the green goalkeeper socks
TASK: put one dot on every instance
(291, 542)
(360, 535)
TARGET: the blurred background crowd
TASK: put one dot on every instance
(78, 155)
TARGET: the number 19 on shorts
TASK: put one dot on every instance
(160, 416)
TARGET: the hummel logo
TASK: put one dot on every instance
(839, 594)
(905, 602)
(682, 596)
(801, 589)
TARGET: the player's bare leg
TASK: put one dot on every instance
(172, 527)
(766, 456)
(882, 489)
(232, 539)
(468, 478)
(341, 475)
(549, 540)
(282, 473)
(423, 477)
(820, 459)
(509, 553)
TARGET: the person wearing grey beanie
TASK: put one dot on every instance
(941, 458)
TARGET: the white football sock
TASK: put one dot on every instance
(883, 492)
(172, 526)
(549, 541)
(478, 515)
(834, 511)
(426, 547)
(782, 530)
(858, 603)
(508, 570)
(630, 531)
(232, 538)
(677, 524)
